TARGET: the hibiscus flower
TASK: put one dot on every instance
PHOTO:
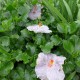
(39, 28)
(49, 67)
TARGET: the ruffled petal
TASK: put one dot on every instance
(60, 59)
(42, 59)
(53, 74)
(41, 72)
(39, 29)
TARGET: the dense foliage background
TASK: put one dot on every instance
(19, 47)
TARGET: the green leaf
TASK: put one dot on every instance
(67, 28)
(20, 56)
(76, 77)
(73, 28)
(18, 73)
(54, 10)
(7, 25)
(25, 33)
(78, 15)
(21, 10)
(16, 36)
(1, 29)
(5, 68)
(68, 10)
(78, 61)
(69, 66)
(4, 55)
(25, 58)
(31, 48)
(27, 75)
(68, 46)
(47, 47)
(34, 2)
(55, 39)
(78, 69)
(3, 79)
(39, 39)
(5, 41)
(15, 76)
(62, 28)
(76, 41)
(72, 46)
(10, 7)
(71, 76)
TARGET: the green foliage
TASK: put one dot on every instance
(68, 46)
(19, 47)
(67, 28)
(71, 76)
(5, 68)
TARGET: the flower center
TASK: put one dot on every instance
(51, 62)
(40, 24)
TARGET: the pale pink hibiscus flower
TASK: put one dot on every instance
(49, 67)
(39, 28)
(35, 12)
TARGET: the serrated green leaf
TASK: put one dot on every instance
(31, 48)
(4, 55)
(47, 47)
(20, 56)
(5, 68)
(39, 39)
(5, 41)
(7, 25)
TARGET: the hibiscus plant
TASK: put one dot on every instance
(39, 39)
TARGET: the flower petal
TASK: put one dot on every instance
(41, 60)
(53, 74)
(41, 72)
(35, 12)
(60, 59)
(39, 29)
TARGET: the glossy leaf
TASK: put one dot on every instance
(68, 46)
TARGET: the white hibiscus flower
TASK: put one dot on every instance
(35, 12)
(49, 67)
(39, 28)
